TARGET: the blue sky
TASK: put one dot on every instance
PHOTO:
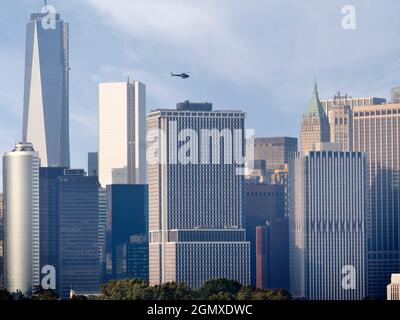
(258, 56)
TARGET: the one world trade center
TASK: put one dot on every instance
(46, 94)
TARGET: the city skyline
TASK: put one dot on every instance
(144, 54)
(329, 173)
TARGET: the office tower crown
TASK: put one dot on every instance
(315, 108)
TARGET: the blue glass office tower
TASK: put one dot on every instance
(48, 215)
(46, 96)
(78, 262)
(126, 216)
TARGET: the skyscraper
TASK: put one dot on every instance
(314, 125)
(347, 100)
(46, 97)
(93, 164)
(262, 202)
(122, 131)
(126, 216)
(272, 254)
(196, 217)
(49, 215)
(275, 151)
(327, 219)
(341, 126)
(21, 218)
(79, 264)
(376, 132)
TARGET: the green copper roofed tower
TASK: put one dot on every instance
(314, 125)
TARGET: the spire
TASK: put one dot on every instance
(315, 107)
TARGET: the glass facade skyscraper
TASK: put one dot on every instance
(126, 216)
(376, 131)
(49, 215)
(196, 203)
(21, 218)
(327, 224)
(79, 263)
(46, 96)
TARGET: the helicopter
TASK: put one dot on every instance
(182, 75)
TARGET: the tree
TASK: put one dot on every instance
(228, 288)
(5, 295)
(41, 294)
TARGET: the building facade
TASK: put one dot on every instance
(262, 202)
(21, 218)
(274, 151)
(93, 164)
(126, 216)
(346, 100)
(122, 131)
(196, 197)
(49, 215)
(272, 254)
(133, 258)
(393, 289)
(314, 124)
(79, 264)
(46, 96)
(376, 132)
(341, 126)
(327, 224)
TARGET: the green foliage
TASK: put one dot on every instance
(221, 289)
(41, 294)
(5, 295)
(132, 289)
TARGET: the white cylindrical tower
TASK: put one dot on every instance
(21, 218)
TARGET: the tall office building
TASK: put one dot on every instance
(376, 132)
(341, 126)
(272, 254)
(262, 202)
(48, 216)
(126, 216)
(346, 100)
(46, 98)
(274, 151)
(79, 264)
(393, 289)
(281, 177)
(314, 125)
(395, 94)
(133, 258)
(327, 224)
(196, 218)
(102, 230)
(93, 164)
(122, 131)
(21, 218)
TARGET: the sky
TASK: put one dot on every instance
(257, 56)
